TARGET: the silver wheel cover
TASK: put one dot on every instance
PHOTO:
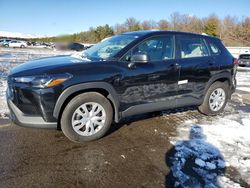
(217, 99)
(88, 119)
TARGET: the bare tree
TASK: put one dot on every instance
(120, 28)
(175, 20)
(229, 31)
(163, 25)
(186, 22)
(244, 29)
(148, 24)
(132, 24)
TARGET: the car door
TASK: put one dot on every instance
(14, 44)
(153, 85)
(195, 69)
(18, 44)
(11, 43)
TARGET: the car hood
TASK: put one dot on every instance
(47, 63)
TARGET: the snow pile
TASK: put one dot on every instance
(23, 55)
(203, 149)
(195, 162)
(225, 182)
(19, 35)
(13, 57)
(3, 104)
(243, 80)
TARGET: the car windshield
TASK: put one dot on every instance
(108, 48)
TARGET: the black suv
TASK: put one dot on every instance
(128, 74)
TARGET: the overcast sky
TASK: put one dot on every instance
(55, 17)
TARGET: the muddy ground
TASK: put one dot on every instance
(131, 155)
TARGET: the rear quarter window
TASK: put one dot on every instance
(214, 49)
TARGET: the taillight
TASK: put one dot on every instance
(235, 62)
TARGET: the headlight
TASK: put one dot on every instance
(43, 81)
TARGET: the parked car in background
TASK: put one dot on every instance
(76, 46)
(244, 60)
(88, 46)
(4, 42)
(125, 75)
(40, 45)
(17, 44)
(61, 46)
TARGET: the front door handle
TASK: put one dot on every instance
(176, 66)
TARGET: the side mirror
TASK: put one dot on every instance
(140, 58)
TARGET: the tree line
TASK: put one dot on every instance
(231, 30)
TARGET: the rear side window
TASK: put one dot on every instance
(244, 56)
(192, 47)
(214, 48)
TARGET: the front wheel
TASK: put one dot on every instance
(215, 99)
(87, 117)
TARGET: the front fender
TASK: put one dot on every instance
(112, 96)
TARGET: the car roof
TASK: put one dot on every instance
(155, 32)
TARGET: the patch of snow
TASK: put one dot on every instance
(200, 162)
(225, 182)
(10, 58)
(19, 35)
(3, 104)
(195, 162)
(247, 89)
(243, 78)
(224, 141)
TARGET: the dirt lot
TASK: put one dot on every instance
(132, 155)
(143, 151)
(128, 157)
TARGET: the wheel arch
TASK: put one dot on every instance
(221, 77)
(101, 87)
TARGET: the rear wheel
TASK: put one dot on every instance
(215, 99)
(87, 117)
(22, 46)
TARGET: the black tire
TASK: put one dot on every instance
(22, 46)
(6, 46)
(77, 101)
(205, 107)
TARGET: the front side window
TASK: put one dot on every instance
(157, 48)
(192, 47)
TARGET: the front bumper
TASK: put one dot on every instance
(19, 118)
